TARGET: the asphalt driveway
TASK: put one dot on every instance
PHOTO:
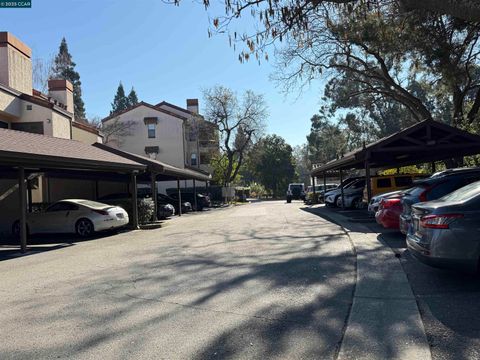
(264, 280)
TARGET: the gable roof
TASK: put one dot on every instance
(164, 170)
(425, 141)
(186, 111)
(143, 103)
(28, 149)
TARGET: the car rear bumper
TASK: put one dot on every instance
(424, 254)
(110, 223)
(388, 219)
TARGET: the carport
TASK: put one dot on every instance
(22, 154)
(424, 142)
(159, 171)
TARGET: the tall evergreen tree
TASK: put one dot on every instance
(64, 68)
(132, 98)
(120, 101)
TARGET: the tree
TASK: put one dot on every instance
(303, 165)
(64, 68)
(120, 101)
(326, 140)
(275, 165)
(240, 121)
(41, 72)
(132, 98)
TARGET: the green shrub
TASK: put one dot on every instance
(146, 209)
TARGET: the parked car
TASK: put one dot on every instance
(124, 200)
(389, 210)
(168, 200)
(295, 191)
(354, 188)
(375, 201)
(388, 183)
(319, 192)
(433, 188)
(203, 201)
(83, 217)
(445, 232)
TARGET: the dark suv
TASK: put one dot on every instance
(436, 186)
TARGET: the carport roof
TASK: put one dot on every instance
(425, 141)
(18, 148)
(164, 171)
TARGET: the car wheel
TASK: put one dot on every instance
(356, 203)
(338, 202)
(84, 228)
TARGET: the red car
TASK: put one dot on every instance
(389, 210)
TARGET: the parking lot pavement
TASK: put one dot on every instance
(449, 301)
(259, 281)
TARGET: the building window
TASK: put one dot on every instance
(193, 159)
(151, 130)
(3, 125)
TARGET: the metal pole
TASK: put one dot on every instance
(30, 200)
(434, 170)
(134, 201)
(314, 200)
(23, 209)
(179, 198)
(341, 189)
(195, 194)
(324, 185)
(368, 181)
(153, 185)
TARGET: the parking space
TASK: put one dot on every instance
(449, 301)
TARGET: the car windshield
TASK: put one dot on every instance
(463, 194)
(295, 187)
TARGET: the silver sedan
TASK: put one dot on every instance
(445, 232)
(83, 217)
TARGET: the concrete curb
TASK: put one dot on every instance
(384, 322)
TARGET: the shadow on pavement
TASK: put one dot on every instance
(40, 243)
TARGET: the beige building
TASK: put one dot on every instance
(165, 132)
(201, 136)
(25, 109)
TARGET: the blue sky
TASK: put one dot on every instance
(162, 50)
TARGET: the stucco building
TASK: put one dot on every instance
(177, 136)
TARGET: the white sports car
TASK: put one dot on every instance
(83, 217)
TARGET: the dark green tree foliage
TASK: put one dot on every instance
(274, 164)
(326, 140)
(132, 98)
(64, 68)
(120, 101)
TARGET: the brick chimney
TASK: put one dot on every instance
(15, 63)
(192, 105)
(62, 91)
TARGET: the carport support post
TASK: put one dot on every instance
(134, 201)
(23, 208)
(313, 187)
(195, 194)
(324, 185)
(153, 178)
(179, 198)
(367, 179)
(341, 189)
